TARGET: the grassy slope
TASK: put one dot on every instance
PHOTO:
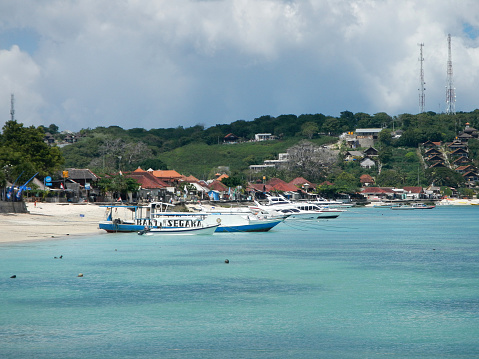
(200, 159)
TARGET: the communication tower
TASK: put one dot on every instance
(450, 91)
(422, 96)
(12, 108)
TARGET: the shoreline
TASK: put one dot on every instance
(50, 221)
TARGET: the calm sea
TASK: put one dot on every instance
(373, 283)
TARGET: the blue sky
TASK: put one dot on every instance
(160, 63)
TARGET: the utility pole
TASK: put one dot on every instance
(422, 96)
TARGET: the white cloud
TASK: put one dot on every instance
(154, 63)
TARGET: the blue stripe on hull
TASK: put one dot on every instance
(264, 227)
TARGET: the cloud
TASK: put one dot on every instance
(158, 63)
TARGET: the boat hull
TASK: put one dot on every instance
(252, 227)
(111, 227)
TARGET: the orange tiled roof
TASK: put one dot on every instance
(166, 174)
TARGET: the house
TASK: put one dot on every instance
(83, 176)
(371, 152)
(353, 155)
(378, 193)
(48, 138)
(279, 185)
(460, 152)
(366, 180)
(466, 169)
(456, 144)
(434, 159)
(464, 137)
(471, 176)
(151, 187)
(230, 138)
(437, 165)
(471, 130)
(303, 184)
(431, 144)
(413, 192)
(264, 137)
(432, 152)
(367, 137)
(171, 177)
(461, 161)
(367, 163)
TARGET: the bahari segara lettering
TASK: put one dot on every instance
(181, 223)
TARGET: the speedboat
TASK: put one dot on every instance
(297, 210)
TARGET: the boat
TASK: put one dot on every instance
(423, 206)
(402, 207)
(413, 206)
(156, 219)
(242, 219)
(297, 210)
(323, 202)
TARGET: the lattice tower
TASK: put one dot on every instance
(450, 90)
(422, 96)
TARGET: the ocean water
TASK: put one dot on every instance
(373, 283)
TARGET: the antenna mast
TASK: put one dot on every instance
(12, 108)
(450, 91)
(422, 96)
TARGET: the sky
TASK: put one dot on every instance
(162, 63)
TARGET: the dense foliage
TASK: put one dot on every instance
(24, 153)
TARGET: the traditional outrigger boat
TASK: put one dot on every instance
(156, 219)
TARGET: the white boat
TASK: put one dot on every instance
(242, 219)
(413, 206)
(156, 219)
(297, 210)
(323, 202)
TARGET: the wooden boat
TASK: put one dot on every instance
(156, 219)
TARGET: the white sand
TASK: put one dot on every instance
(51, 220)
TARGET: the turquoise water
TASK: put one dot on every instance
(373, 283)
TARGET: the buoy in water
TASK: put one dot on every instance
(80, 274)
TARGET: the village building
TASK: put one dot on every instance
(230, 138)
(264, 137)
(462, 161)
(353, 156)
(413, 192)
(366, 180)
(375, 194)
(460, 152)
(367, 137)
(367, 162)
(371, 152)
(171, 177)
(432, 151)
(151, 187)
(303, 184)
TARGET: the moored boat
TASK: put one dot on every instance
(156, 219)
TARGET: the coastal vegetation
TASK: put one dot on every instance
(201, 151)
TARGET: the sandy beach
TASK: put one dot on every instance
(51, 220)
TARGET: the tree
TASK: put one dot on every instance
(313, 162)
(443, 176)
(347, 182)
(22, 148)
(118, 184)
(389, 178)
(309, 129)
